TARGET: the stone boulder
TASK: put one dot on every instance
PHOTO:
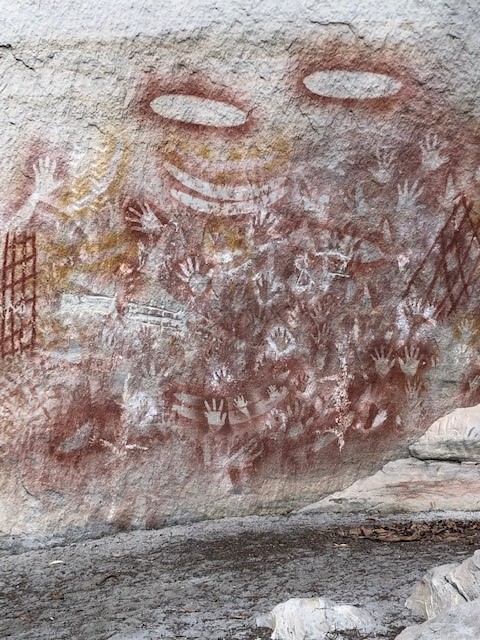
(466, 577)
(446, 586)
(435, 593)
(314, 618)
(461, 622)
(455, 436)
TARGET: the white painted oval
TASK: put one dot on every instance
(197, 110)
(355, 85)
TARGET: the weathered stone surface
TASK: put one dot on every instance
(314, 618)
(434, 593)
(458, 623)
(466, 577)
(239, 252)
(409, 486)
(446, 586)
(456, 436)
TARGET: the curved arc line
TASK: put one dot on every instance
(238, 193)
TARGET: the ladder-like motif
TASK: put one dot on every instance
(446, 274)
(19, 294)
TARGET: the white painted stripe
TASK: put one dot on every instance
(197, 110)
(97, 305)
(357, 85)
(210, 190)
(231, 208)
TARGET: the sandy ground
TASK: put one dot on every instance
(210, 580)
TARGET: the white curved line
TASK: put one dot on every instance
(210, 190)
(356, 85)
(228, 209)
(197, 110)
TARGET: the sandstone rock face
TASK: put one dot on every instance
(458, 623)
(239, 252)
(314, 619)
(456, 436)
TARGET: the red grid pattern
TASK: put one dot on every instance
(454, 256)
(19, 295)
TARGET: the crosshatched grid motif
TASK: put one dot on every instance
(19, 295)
(450, 266)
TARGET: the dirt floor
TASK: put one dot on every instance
(210, 580)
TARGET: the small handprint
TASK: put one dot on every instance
(263, 220)
(274, 393)
(221, 375)
(316, 314)
(321, 334)
(296, 419)
(191, 274)
(281, 342)
(302, 381)
(383, 361)
(467, 331)
(240, 404)
(418, 309)
(413, 390)
(45, 182)
(408, 196)
(409, 364)
(144, 221)
(214, 413)
(266, 287)
(384, 170)
(431, 156)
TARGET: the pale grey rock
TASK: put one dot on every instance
(446, 586)
(313, 619)
(408, 486)
(457, 623)
(466, 577)
(455, 436)
(434, 593)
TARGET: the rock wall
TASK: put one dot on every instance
(240, 248)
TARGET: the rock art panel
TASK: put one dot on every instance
(229, 282)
